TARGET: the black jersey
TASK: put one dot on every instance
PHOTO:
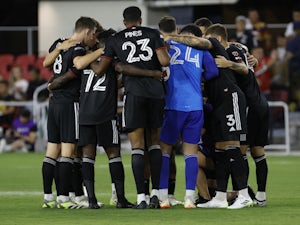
(248, 82)
(64, 63)
(137, 46)
(225, 82)
(98, 97)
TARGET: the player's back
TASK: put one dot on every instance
(98, 97)
(247, 82)
(225, 82)
(63, 64)
(185, 78)
(137, 46)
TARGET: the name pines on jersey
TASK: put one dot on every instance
(135, 33)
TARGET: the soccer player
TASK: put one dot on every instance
(183, 114)
(98, 126)
(143, 100)
(229, 121)
(62, 122)
(258, 108)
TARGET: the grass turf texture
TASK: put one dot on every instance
(21, 197)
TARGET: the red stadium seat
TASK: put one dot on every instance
(6, 62)
(25, 61)
(46, 73)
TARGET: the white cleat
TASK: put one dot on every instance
(213, 203)
(241, 202)
(165, 204)
(83, 202)
(147, 199)
(173, 201)
(189, 203)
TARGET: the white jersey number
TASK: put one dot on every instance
(57, 66)
(188, 56)
(143, 43)
(97, 86)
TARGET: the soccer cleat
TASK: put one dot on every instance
(142, 205)
(154, 202)
(67, 205)
(165, 204)
(173, 201)
(94, 205)
(213, 203)
(147, 197)
(200, 200)
(241, 202)
(49, 204)
(124, 204)
(113, 200)
(260, 203)
(81, 201)
(189, 203)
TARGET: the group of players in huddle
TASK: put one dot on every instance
(192, 87)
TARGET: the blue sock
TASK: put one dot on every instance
(191, 171)
(165, 172)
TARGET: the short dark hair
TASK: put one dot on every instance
(167, 24)
(193, 29)
(104, 35)
(203, 22)
(217, 29)
(25, 113)
(132, 14)
(86, 22)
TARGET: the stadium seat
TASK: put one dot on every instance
(25, 61)
(6, 62)
(46, 73)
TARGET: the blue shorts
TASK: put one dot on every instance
(188, 125)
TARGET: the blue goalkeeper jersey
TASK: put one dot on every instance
(187, 66)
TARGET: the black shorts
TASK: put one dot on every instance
(105, 134)
(229, 117)
(142, 112)
(258, 125)
(62, 123)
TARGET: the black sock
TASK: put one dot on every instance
(222, 169)
(171, 188)
(77, 177)
(155, 157)
(88, 175)
(48, 170)
(246, 165)
(237, 168)
(65, 175)
(261, 172)
(234, 182)
(138, 166)
(147, 186)
(56, 177)
(117, 173)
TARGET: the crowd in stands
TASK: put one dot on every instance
(19, 77)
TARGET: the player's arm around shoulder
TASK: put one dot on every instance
(210, 67)
(81, 62)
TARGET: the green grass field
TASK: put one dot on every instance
(21, 197)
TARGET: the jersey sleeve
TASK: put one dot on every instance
(33, 128)
(109, 49)
(53, 46)
(236, 55)
(158, 40)
(210, 68)
(78, 50)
